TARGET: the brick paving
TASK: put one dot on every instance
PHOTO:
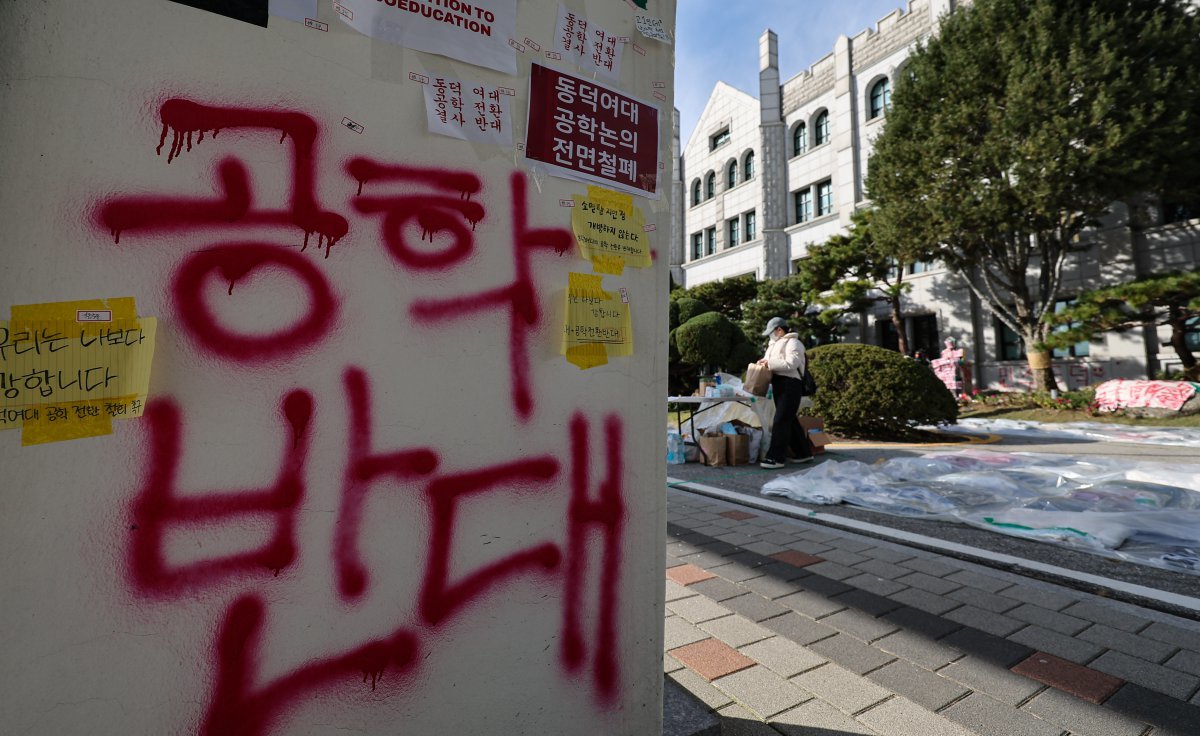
(782, 626)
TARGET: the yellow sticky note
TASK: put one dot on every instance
(610, 231)
(67, 369)
(598, 322)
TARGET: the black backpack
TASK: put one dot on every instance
(808, 386)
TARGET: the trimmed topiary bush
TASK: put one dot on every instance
(672, 314)
(705, 340)
(871, 391)
(690, 308)
(743, 352)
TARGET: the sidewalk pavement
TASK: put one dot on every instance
(781, 626)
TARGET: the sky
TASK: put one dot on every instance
(717, 40)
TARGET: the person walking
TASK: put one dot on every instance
(786, 361)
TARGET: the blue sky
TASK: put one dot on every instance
(717, 40)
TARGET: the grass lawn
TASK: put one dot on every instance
(1067, 415)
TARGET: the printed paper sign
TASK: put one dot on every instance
(470, 111)
(652, 27)
(297, 10)
(62, 377)
(598, 323)
(585, 131)
(610, 231)
(475, 32)
(590, 46)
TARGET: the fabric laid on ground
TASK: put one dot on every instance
(1173, 436)
(1147, 513)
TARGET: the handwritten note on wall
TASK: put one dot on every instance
(471, 111)
(598, 323)
(610, 231)
(67, 369)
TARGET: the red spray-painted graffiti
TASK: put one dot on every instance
(447, 219)
(159, 507)
(518, 297)
(239, 705)
(184, 119)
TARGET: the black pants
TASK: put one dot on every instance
(786, 432)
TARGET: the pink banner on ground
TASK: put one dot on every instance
(1121, 394)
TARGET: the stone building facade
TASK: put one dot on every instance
(764, 178)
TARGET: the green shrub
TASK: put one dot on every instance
(672, 348)
(672, 315)
(689, 308)
(705, 339)
(871, 391)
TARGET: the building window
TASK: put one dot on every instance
(885, 333)
(710, 186)
(731, 175)
(800, 139)
(824, 198)
(1079, 349)
(710, 241)
(697, 246)
(822, 128)
(1009, 345)
(920, 267)
(1180, 211)
(718, 140)
(696, 192)
(881, 97)
(924, 331)
(751, 226)
(748, 167)
(731, 227)
(804, 205)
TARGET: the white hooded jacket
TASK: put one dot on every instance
(785, 356)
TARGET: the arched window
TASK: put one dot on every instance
(710, 186)
(881, 97)
(731, 175)
(822, 128)
(696, 192)
(748, 167)
(800, 139)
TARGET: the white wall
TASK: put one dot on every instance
(98, 641)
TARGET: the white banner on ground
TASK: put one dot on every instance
(468, 110)
(474, 32)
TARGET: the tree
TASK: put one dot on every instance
(855, 269)
(790, 298)
(1172, 299)
(1020, 124)
(725, 296)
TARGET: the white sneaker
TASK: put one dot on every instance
(770, 464)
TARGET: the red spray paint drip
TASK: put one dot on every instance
(233, 262)
(183, 118)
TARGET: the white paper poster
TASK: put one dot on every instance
(296, 10)
(652, 28)
(471, 111)
(588, 45)
(476, 32)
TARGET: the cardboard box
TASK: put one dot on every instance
(737, 449)
(715, 449)
(815, 427)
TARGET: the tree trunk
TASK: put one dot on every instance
(1178, 322)
(1042, 370)
(898, 323)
